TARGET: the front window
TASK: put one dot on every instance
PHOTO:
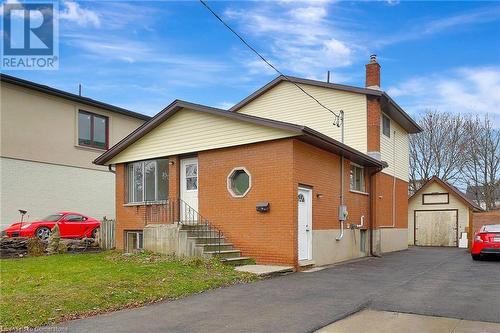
(92, 130)
(147, 181)
(357, 179)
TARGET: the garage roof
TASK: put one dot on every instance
(450, 188)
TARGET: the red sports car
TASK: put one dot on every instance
(71, 225)
(486, 241)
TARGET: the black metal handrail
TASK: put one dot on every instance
(178, 211)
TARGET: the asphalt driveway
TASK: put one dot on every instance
(429, 281)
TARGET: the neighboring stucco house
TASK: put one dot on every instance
(438, 214)
(49, 139)
(268, 172)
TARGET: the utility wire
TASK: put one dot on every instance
(338, 119)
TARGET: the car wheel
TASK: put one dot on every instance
(43, 233)
(94, 232)
(476, 256)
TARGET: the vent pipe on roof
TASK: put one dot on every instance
(80, 89)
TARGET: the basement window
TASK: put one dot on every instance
(134, 241)
(386, 126)
(239, 182)
(357, 178)
(147, 181)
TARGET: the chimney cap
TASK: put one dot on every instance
(373, 58)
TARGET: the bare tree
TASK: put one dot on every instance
(482, 169)
(438, 150)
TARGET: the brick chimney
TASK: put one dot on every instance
(373, 73)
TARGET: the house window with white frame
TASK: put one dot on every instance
(134, 241)
(147, 181)
(357, 178)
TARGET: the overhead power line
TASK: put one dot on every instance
(338, 117)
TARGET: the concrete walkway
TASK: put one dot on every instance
(394, 322)
(429, 281)
(265, 270)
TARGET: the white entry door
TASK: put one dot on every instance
(189, 188)
(305, 223)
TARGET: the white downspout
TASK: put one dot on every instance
(341, 235)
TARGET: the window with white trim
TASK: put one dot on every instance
(147, 181)
(239, 182)
(357, 178)
(134, 241)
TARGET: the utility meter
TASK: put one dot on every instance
(343, 213)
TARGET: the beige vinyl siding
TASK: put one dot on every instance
(285, 102)
(192, 131)
(416, 204)
(40, 127)
(396, 151)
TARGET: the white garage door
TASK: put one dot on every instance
(436, 227)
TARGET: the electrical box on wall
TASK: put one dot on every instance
(262, 207)
(343, 213)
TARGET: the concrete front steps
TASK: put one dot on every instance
(208, 244)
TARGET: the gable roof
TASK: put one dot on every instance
(302, 132)
(69, 96)
(391, 108)
(461, 196)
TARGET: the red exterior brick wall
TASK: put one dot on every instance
(135, 217)
(374, 115)
(127, 218)
(320, 170)
(372, 74)
(266, 237)
(277, 169)
(485, 218)
(383, 201)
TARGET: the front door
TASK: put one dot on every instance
(305, 223)
(189, 189)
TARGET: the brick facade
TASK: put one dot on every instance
(374, 115)
(277, 169)
(372, 74)
(484, 218)
(387, 193)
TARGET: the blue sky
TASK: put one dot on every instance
(142, 55)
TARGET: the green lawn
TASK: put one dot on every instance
(43, 290)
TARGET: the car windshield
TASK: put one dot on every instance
(53, 217)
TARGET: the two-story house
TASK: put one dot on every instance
(271, 174)
(49, 139)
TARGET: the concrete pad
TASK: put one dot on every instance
(392, 322)
(264, 270)
(314, 269)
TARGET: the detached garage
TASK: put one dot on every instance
(438, 214)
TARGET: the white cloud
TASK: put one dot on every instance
(225, 105)
(462, 90)
(422, 29)
(300, 38)
(83, 17)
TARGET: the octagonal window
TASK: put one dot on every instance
(239, 182)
